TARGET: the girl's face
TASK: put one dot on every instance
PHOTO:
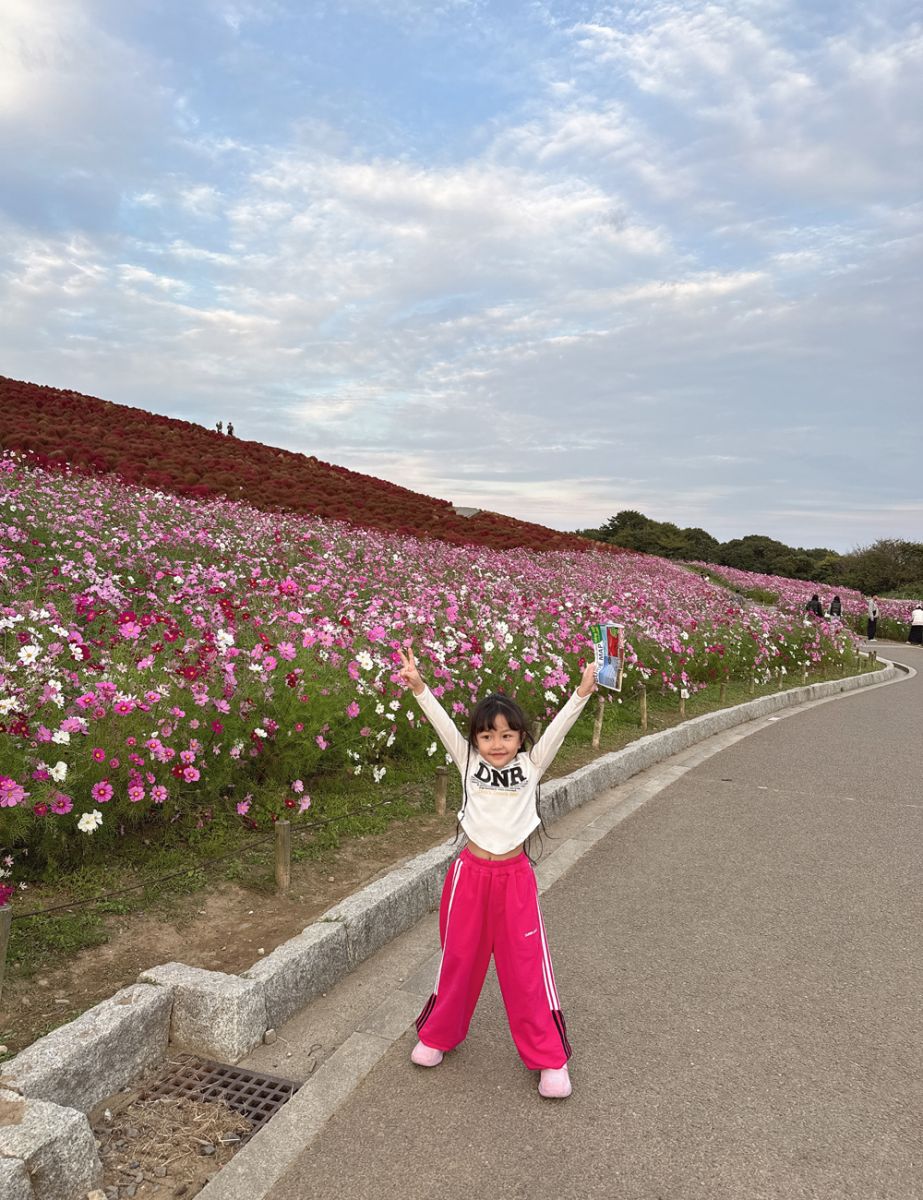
(500, 744)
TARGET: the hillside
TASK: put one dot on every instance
(56, 427)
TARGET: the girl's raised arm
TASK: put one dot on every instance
(549, 743)
(445, 727)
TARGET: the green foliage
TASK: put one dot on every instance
(888, 567)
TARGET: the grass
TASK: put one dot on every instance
(351, 807)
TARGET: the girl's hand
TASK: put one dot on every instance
(408, 672)
(587, 684)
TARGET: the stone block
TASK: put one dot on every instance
(392, 904)
(52, 1146)
(97, 1053)
(215, 1015)
(300, 969)
(14, 1178)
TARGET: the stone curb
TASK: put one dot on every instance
(275, 987)
(47, 1152)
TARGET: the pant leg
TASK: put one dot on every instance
(465, 938)
(526, 977)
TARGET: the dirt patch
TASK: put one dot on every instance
(153, 1149)
(225, 928)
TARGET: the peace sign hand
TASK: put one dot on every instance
(408, 672)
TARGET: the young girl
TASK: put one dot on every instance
(490, 899)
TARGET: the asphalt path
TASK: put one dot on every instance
(741, 970)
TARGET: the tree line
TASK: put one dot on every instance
(890, 565)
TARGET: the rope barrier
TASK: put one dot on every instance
(201, 865)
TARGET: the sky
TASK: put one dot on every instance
(554, 259)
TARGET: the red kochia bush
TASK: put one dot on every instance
(64, 429)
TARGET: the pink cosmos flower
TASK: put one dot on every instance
(99, 754)
(102, 791)
(243, 807)
(305, 803)
(136, 793)
(297, 787)
(61, 804)
(130, 630)
(320, 741)
(352, 710)
(190, 774)
(40, 809)
(286, 650)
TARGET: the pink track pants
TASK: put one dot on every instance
(491, 907)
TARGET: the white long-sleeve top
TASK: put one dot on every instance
(500, 810)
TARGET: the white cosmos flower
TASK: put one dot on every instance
(90, 821)
(61, 736)
(28, 654)
(58, 772)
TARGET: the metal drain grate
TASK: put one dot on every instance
(256, 1097)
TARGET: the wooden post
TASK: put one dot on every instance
(804, 675)
(722, 691)
(598, 721)
(283, 855)
(752, 684)
(779, 680)
(6, 917)
(442, 787)
(643, 691)
(682, 704)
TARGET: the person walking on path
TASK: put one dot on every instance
(814, 606)
(490, 897)
(872, 627)
(916, 625)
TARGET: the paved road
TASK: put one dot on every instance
(741, 968)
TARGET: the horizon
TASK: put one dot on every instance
(553, 262)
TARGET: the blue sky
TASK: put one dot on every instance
(553, 259)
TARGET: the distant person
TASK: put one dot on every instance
(872, 627)
(836, 608)
(814, 606)
(916, 625)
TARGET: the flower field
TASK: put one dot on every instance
(793, 594)
(164, 660)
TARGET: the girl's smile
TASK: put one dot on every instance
(500, 744)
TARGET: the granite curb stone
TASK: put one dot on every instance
(54, 1145)
(214, 1014)
(300, 969)
(14, 1179)
(99, 1052)
(379, 912)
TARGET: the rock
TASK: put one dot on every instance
(207, 1149)
(269, 1037)
(160, 1171)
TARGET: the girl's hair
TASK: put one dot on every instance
(496, 705)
